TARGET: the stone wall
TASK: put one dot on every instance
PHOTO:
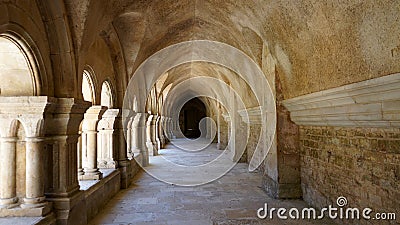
(282, 170)
(362, 165)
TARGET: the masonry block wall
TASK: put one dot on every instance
(361, 164)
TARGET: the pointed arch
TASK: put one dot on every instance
(89, 85)
(107, 94)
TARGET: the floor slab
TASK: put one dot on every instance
(232, 199)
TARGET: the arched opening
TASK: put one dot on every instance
(16, 73)
(88, 88)
(190, 116)
(106, 95)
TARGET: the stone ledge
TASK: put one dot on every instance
(371, 103)
(27, 212)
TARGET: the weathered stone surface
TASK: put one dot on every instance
(346, 162)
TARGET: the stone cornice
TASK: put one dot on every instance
(371, 103)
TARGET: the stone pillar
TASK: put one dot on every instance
(153, 143)
(124, 164)
(160, 133)
(89, 131)
(107, 153)
(139, 138)
(79, 158)
(129, 137)
(34, 187)
(225, 132)
(8, 196)
(149, 134)
(62, 186)
(156, 136)
(282, 178)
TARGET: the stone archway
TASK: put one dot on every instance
(16, 70)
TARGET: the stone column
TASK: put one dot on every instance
(139, 138)
(149, 134)
(161, 132)
(129, 139)
(81, 141)
(153, 143)
(62, 186)
(8, 196)
(107, 152)
(156, 139)
(34, 187)
(224, 132)
(124, 164)
(89, 131)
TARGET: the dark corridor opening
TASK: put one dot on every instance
(189, 118)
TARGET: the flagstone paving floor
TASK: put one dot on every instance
(232, 199)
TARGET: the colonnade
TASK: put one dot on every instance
(56, 135)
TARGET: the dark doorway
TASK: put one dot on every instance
(189, 118)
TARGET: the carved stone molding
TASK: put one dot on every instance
(371, 103)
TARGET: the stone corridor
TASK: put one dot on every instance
(232, 199)
(97, 98)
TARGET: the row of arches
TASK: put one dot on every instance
(89, 89)
(19, 75)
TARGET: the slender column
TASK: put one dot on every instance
(8, 194)
(149, 134)
(155, 136)
(139, 136)
(34, 191)
(89, 130)
(129, 140)
(124, 164)
(91, 155)
(107, 151)
(81, 141)
(161, 132)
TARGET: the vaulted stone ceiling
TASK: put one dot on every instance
(316, 44)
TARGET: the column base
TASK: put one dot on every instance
(8, 203)
(30, 203)
(107, 164)
(89, 175)
(28, 211)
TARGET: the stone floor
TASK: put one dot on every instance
(232, 199)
